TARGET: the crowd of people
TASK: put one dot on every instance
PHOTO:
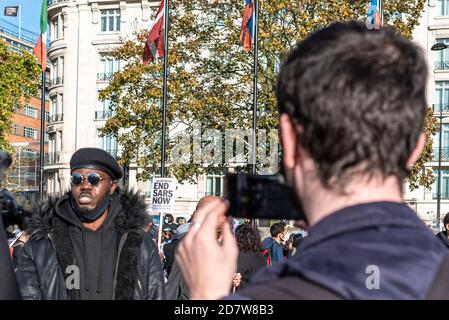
(352, 106)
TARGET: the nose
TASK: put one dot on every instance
(85, 184)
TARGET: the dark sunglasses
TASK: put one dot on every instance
(93, 178)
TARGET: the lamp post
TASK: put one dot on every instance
(439, 168)
(438, 47)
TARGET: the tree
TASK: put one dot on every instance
(19, 81)
(210, 78)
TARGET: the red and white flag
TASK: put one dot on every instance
(40, 49)
(154, 46)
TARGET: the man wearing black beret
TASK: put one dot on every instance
(89, 244)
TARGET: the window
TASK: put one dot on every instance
(28, 154)
(443, 7)
(105, 111)
(442, 58)
(31, 112)
(444, 184)
(106, 105)
(57, 71)
(214, 185)
(53, 106)
(30, 133)
(444, 145)
(47, 116)
(108, 143)
(441, 95)
(108, 66)
(55, 28)
(61, 21)
(110, 20)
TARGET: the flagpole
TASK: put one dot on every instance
(256, 48)
(164, 98)
(254, 222)
(20, 20)
(381, 11)
(42, 138)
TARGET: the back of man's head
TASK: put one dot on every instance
(359, 96)
(446, 221)
(276, 229)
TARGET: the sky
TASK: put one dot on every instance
(31, 10)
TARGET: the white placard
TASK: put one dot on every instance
(163, 195)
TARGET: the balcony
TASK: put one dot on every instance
(56, 81)
(444, 153)
(437, 107)
(442, 65)
(103, 115)
(51, 158)
(58, 117)
(444, 194)
(53, 2)
(105, 76)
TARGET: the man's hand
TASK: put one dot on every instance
(207, 266)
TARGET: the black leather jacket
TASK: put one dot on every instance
(44, 264)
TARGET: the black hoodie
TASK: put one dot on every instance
(95, 251)
(443, 237)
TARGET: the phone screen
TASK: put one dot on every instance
(261, 197)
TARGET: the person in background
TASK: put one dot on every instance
(444, 235)
(250, 258)
(170, 248)
(17, 248)
(151, 229)
(169, 222)
(8, 287)
(274, 243)
(181, 220)
(288, 248)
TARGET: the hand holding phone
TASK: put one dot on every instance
(261, 197)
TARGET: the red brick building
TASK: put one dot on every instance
(25, 134)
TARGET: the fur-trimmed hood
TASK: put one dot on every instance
(132, 216)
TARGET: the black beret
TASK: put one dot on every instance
(94, 158)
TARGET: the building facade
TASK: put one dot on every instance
(82, 35)
(25, 134)
(434, 28)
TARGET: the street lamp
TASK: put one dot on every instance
(438, 47)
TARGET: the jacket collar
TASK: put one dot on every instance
(443, 237)
(368, 215)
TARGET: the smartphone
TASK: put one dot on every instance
(261, 197)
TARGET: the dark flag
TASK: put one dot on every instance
(11, 11)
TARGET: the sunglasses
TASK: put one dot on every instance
(93, 178)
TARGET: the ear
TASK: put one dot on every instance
(288, 137)
(113, 187)
(416, 152)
